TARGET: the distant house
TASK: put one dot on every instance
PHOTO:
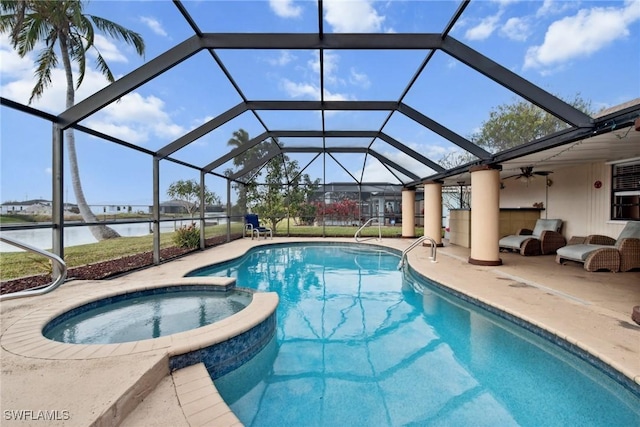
(32, 207)
(179, 207)
(172, 207)
(27, 207)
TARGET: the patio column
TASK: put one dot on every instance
(409, 212)
(433, 211)
(485, 213)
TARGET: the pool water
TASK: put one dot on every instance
(359, 343)
(145, 315)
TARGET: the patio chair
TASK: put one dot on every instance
(252, 224)
(599, 252)
(544, 239)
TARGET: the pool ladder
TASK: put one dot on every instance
(416, 243)
(355, 236)
(61, 269)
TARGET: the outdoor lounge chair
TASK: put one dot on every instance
(544, 239)
(252, 224)
(599, 252)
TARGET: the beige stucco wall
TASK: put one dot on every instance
(572, 197)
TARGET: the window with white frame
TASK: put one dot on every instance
(625, 191)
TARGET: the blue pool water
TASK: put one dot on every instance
(145, 314)
(361, 344)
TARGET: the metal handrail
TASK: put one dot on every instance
(416, 243)
(355, 236)
(62, 269)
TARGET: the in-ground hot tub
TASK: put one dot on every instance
(147, 314)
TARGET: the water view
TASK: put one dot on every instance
(73, 236)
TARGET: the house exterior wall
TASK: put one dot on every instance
(572, 197)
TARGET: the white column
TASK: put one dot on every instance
(485, 215)
(433, 211)
(408, 212)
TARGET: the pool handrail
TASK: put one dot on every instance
(355, 236)
(41, 290)
(416, 243)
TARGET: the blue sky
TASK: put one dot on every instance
(590, 48)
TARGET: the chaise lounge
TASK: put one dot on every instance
(599, 252)
(544, 239)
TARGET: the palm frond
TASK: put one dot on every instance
(88, 32)
(119, 32)
(102, 66)
(13, 19)
(47, 60)
(77, 53)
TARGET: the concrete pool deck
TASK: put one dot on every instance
(131, 385)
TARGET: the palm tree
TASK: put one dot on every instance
(62, 24)
(241, 138)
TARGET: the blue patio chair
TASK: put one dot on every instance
(252, 224)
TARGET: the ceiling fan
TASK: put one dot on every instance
(527, 173)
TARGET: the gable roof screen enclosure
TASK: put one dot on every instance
(344, 131)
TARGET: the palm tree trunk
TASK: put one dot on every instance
(100, 232)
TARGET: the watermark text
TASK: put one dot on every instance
(36, 415)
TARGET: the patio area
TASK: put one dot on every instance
(131, 385)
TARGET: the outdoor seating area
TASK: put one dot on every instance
(597, 252)
(544, 239)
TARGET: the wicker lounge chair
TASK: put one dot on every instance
(252, 225)
(544, 239)
(599, 252)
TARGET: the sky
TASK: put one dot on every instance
(571, 48)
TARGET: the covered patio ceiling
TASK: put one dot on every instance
(608, 137)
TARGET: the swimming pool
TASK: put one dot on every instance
(146, 314)
(360, 343)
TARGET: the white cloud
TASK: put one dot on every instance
(53, 97)
(154, 25)
(516, 29)
(331, 96)
(359, 79)
(135, 119)
(582, 34)
(330, 62)
(354, 16)
(484, 29)
(284, 58)
(300, 90)
(123, 132)
(285, 8)
(11, 64)
(554, 7)
(107, 49)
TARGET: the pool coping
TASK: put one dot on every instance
(202, 404)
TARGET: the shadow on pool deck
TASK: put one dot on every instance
(591, 310)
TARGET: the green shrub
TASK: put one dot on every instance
(187, 236)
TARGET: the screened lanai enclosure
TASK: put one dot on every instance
(300, 150)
